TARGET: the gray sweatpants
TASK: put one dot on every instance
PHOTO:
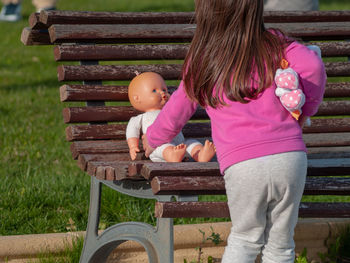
(263, 197)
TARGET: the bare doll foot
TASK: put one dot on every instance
(204, 153)
(207, 152)
(174, 153)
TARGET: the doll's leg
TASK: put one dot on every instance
(199, 152)
(173, 153)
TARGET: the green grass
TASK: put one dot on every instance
(41, 188)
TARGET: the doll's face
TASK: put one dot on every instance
(148, 92)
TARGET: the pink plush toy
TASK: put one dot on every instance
(291, 97)
(287, 82)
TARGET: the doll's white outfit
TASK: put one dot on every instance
(143, 121)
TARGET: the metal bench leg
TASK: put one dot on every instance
(157, 241)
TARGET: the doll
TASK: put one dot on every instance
(148, 93)
(287, 82)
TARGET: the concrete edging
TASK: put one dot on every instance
(310, 233)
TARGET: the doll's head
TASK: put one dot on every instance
(148, 92)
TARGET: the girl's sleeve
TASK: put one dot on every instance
(312, 75)
(171, 119)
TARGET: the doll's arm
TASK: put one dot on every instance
(133, 135)
(133, 144)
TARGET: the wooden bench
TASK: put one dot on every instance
(159, 41)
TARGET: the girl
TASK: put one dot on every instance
(229, 70)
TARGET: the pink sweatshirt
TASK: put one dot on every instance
(244, 131)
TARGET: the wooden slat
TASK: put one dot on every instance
(191, 209)
(328, 125)
(188, 185)
(110, 114)
(332, 108)
(120, 93)
(202, 184)
(97, 92)
(96, 132)
(328, 152)
(93, 92)
(115, 72)
(83, 159)
(118, 33)
(168, 71)
(334, 49)
(119, 52)
(337, 69)
(117, 131)
(35, 23)
(110, 33)
(326, 139)
(78, 17)
(110, 171)
(220, 210)
(151, 170)
(124, 113)
(98, 147)
(329, 167)
(152, 52)
(98, 114)
(339, 89)
(324, 210)
(30, 37)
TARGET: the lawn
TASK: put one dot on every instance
(41, 188)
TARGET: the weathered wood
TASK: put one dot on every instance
(332, 108)
(120, 93)
(124, 113)
(151, 170)
(168, 71)
(191, 209)
(118, 33)
(333, 49)
(98, 147)
(151, 52)
(35, 23)
(83, 159)
(97, 92)
(115, 72)
(79, 17)
(109, 33)
(197, 184)
(337, 89)
(190, 130)
(220, 210)
(96, 132)
(112, 170)
(120, 52)
(109, 114)
(329, 152)
(327, 139)
(30, 37)
(324, 210)
(337, 69)
(117, 131)
(188, 185)
(328, 125)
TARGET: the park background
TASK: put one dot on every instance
(42, 190)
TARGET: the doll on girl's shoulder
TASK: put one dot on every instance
(287, 82)
(148, 93)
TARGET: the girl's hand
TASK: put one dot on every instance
(148, 149)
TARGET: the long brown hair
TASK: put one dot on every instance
(229, 46)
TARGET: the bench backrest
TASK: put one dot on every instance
(111, 47)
